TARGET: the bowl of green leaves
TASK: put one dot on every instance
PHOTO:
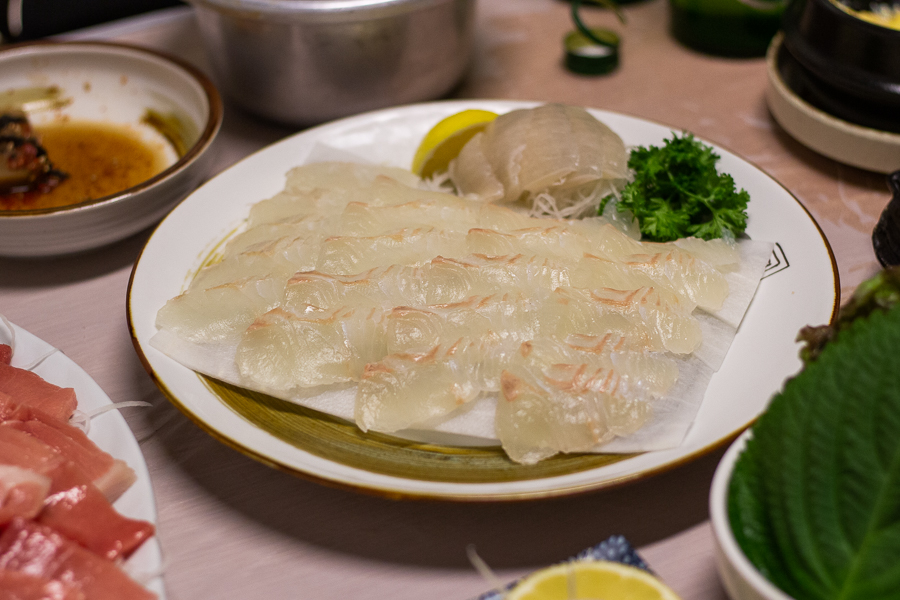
(806, 504)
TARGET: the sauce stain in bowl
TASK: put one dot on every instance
(100, 159)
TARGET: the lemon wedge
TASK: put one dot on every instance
(593, 580)
(443, 143)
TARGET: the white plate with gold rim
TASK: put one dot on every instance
(110, 432)
(800, 288)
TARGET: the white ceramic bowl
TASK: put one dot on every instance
(741, 579)
(114, 84)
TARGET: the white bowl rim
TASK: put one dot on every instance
(718, 514)
(207, 134)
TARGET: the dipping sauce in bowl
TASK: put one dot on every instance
(98, 159)
(126, 130)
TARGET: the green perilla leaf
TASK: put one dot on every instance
(815, 499)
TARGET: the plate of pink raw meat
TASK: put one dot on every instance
(77, 515)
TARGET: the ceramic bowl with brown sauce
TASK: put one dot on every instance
(98, 141)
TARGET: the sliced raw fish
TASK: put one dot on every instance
(112, 476)
(22, 450)
(554, 149)
(221, 312)
(22, 493)
(348, 255)
(30, 389)
(16, 585)
(418, 301)
(557, 399)
(33, 549)
(75, 508)
(702, 283)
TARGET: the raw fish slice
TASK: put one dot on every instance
(287, 207)
(407, 390)
(326, 188)
(594, 272)
(341, 175)
(551, 148)
(473, 174)
(282, 351)
(15, 585)
(111, 476)
(221, 313)
(78, 510)
(556, 242)
(33, 549)
(265, 234)
(19, 449)
(723, 255)
(5, 354)
(647, 317)
(416, 329)
(535, 421)
(503, 218)
(441, 281)
(516, 272)
(329, 292)
(346, 255)
(453, 214)
(29, 389)
(22, 493)
(702, 283)
(547, 407)
(279, 259)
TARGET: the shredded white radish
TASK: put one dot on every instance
(82, 420)
(484, 570)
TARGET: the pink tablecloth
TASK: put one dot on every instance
(231, 528)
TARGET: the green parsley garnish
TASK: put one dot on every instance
(678, 192)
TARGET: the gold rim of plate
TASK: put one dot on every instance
(343, 443)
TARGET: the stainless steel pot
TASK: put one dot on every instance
(307, 61)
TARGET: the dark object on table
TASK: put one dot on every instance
(592, 50)
(847, 61)
(877, 294)
(32, 19)
(886, 236)
(615, 548)
(835, 101)
(734, 28)
(24, 164)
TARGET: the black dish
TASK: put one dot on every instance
(858, 58)
(886, 236)
(833, 100)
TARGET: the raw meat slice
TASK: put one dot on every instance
(113, 477)
(28, 547)
(77, 509)
(22, 493)
(30, 389)
(15, 585)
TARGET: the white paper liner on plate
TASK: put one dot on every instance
(473, 424)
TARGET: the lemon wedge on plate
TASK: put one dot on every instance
(594, 580)
(443, 143)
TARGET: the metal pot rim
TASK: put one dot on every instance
(314, 9)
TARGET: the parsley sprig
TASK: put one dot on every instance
(678, 192)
